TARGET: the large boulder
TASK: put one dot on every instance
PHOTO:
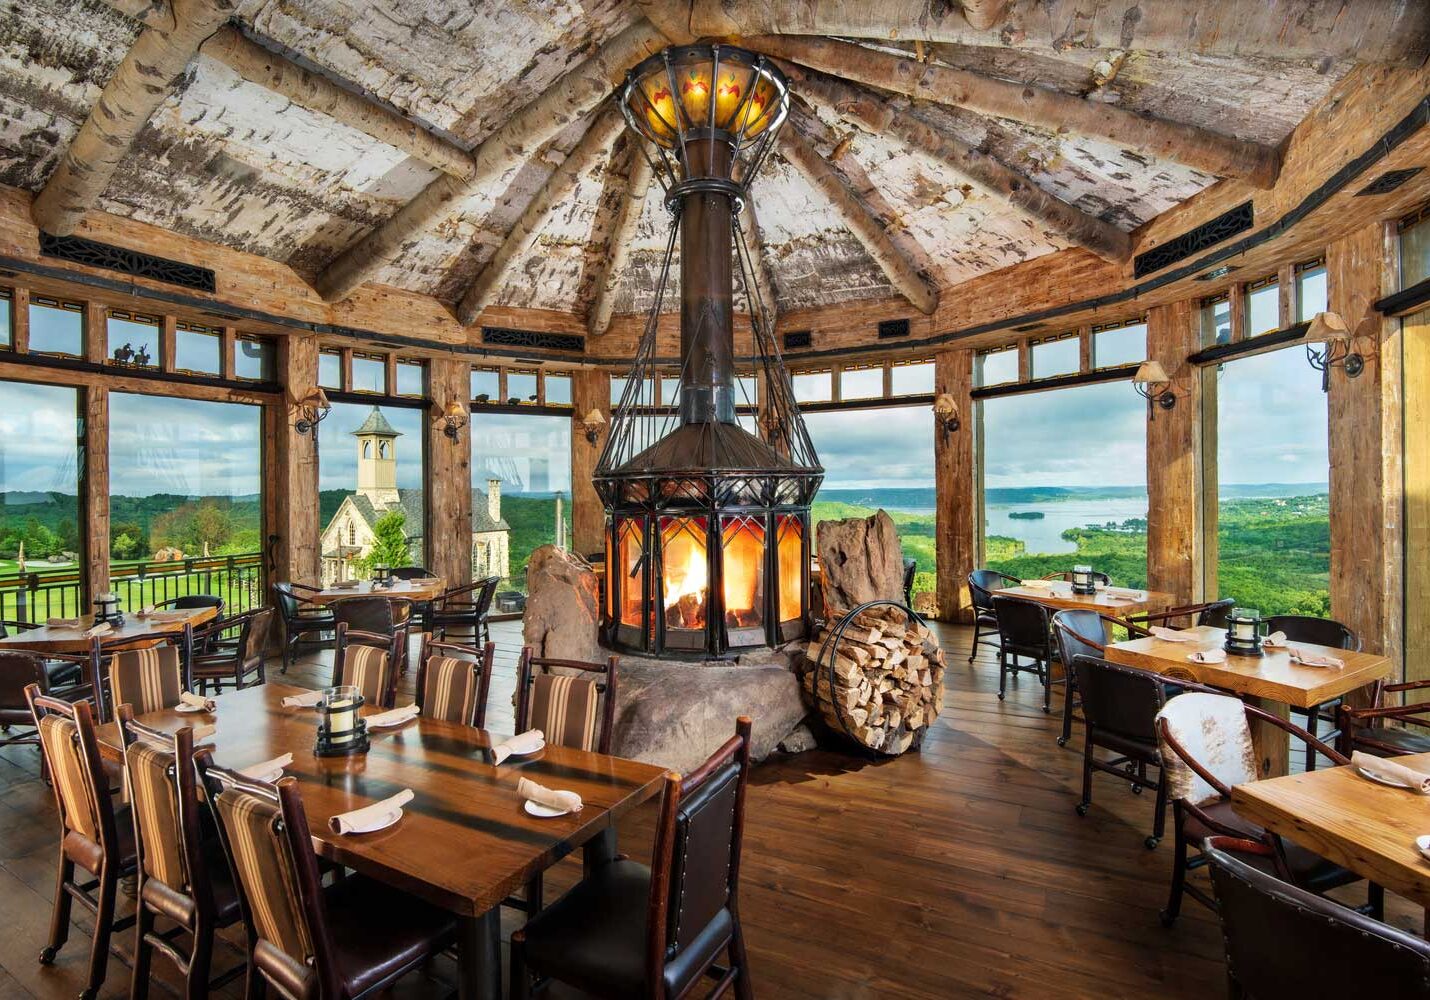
(562, 607)
(859, 560)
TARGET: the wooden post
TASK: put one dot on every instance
(590, 389)
(1415, 332)
(20, 319)
(94, 491)
(954, 478)
(1174, 459)
(168, 341)
(291, 461)
(449, 475)
(96, 333)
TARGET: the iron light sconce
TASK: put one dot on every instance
(945, 410)
(1154, 385)
(591, 425)
(313, 409)
(453, 419)
(1331, 348)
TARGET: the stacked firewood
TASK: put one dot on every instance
(886, 684)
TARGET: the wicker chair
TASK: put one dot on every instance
(465, 608)
(1080, 632)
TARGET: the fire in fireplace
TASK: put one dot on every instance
(707, 487)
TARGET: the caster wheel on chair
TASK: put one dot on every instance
(1000, 695)
(1151, 843)
(1046, 710)
(1136, 789)
(47, 955)
(1167, 919)
(1062, 741)
(88, 994)
(1083, 807)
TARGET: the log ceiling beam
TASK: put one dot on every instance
(760, 260)
(1211, 152)
(568, 99)
(984, 14)
(558, 187)
(622, 236)
(144, 79)
(867, 228)
(874, 113)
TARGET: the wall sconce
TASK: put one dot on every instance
(945, 410)
(453, 419)
(313, 408)
(1153, 385)
(591, 424)
(1330, 331)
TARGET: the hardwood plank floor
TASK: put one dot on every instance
(961, 870)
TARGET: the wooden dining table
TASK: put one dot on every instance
(1059, 594)
(399, 589)
(67, 639)
(1270, 681)
(465, 842)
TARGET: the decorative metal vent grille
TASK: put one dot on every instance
(893, 328)
(504, 337)
(1388, 181)
(796, 339)
(92, 253)
(1224, 226)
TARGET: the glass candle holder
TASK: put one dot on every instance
(1082, 580)
(1244, 628)
(340, 730)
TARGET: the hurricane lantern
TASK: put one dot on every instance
(1082, 580)
(340, 730)
(106, 610)
(1244, 629)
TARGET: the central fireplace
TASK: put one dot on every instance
(707, 492)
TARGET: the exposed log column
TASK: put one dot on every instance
(874, 114)
(1175, 534)
(449, 474)
(618, 247)
(94, 489)
(558, 187)
(590, 390)
(291, 466)
(953, 462)
(861, 222)
(1188, 145)
(140, 84)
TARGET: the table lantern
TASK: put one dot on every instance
(1244, 629)
(106, 609)
(1082, 580)
(340, 731)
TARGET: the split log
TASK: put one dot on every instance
(1188, 145)
(142, 82)
(882, 682)
(868, 229)
(618, 246)
(558, 187)
(874, 114)
(760, 261)
(984, 14)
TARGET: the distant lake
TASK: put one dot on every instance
(1042, 535)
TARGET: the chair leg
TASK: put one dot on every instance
(143, 953)
(60, 917)
(103, 927)
(1159, 819)
(1002, 675)
(520, 986)
(973, 650)
(1375, 900)
(196, 984)
(255, 987)
(1067, 708)
(1045, 672)
(1086, 803)
(1312, 717)
(744, 989)
(1179, 872)
(287, 653)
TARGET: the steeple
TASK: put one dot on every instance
(377, 460)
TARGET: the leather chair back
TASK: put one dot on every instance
(1321, 631)
(366, 614)
(981, 584)
(191, 602)
(911, 569)
(485, 595)
(1121, 702)
(253, 635)
(286, 602)
(1211, 730)
(410, 573)
(1078, 632)
(18, 670)
(1215, 612)
(1023, 627)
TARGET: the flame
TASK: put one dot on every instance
(685, 571)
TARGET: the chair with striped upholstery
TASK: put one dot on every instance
(181, 878)
(148, 672)
(351, 939)
(95, 836)
(571, 710)
(452, 681)
(366, 661)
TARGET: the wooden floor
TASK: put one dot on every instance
(958, 871)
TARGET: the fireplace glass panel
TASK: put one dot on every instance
(743, 569)
(632, 582)
(685, 566)
(790, 558)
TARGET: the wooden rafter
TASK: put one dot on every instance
(568, 99)
(865, 226)
(143, 80)
(759, 257)
(874, 113)
(618, 245)
(559, 186)
(1189, 145)
(984, 14)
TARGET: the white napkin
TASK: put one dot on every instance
(1418, 781)
(267, 770)
(1038, 584)
(527, 742)
(203, 732)
(198, 701)
(103, 628)
(549, 797)
(308, 699)
(372, 817)
(1132, 595)
(393, 717)
(65, 622)
(1208, 656)
(1309, 659)
(1276, 640)
(1172, 634)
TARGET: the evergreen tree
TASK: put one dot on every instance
(389, 547)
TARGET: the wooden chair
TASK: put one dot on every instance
(181, 879)
(1024, 633)
(368, 662)
(147, 672)
(465, 608)
(1080, 632)
(20, 668)
(62, 672)
(1321, 632)
(452, 681)
(301, 620)
(234, 650)
(630, 931)
(571, 710)
(351, 939)
(1205, 742)
(95, 836)
(191, 602)
(378, 615)
(421, 611)
(1278, 937)
(1385, 730)
(1211, 613)
(981, 584)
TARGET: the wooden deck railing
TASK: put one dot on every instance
(39, 594)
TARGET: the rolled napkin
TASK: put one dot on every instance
(198, 701)
(1309, 659)
(528, 742)
(1208, 656)
(373, 817)
(393, 717)
(103, 628)
(1172, 634)
(65, 622)
(1127, 592)
(267, 770)
(548, 797)
(1276, 640)
(1038, 584)
(308, 699)
(145, 611)
(1380, 767)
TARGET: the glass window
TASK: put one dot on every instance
(1415, 249)
(862, 383)
(747, 391)
(520, 386)
(253, 359)
(1310, 290)
(411, 378)
(198, 349)
(371, 503)
(330, 369)
(1273, 523)
(1216, 319)
(998, 367)
(669, 389)
(557, 389)
(1064, 481)
(1263, 306)
(811, 387)
(1124, 344)
(56, 327)
(486, 385)
(133, 339)
(521, 489)
(369, 373)
(913, 378)
(184, 478)
(39, 499)
(7, 321)
(645, 397)
(1051, 358)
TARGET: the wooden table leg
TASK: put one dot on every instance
(479, 956)
(599, 851)
(1273, 745)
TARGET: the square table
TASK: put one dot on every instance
(1269, 681)
(399, 589)
(1357, 823)
(63, 639)
(464, 843)
(1058, 594)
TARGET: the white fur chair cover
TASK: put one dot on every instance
(1213, 730)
